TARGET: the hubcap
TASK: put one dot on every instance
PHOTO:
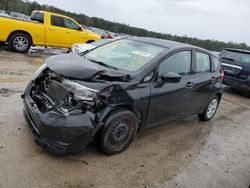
(20, 43)
(212, 108)
(119, 133)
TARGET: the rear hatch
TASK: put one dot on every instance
(235, 63)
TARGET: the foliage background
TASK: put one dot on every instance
(26, 7)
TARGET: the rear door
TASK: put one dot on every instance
(203, 81)
(171, 100)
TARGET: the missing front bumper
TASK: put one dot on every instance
(59, 134)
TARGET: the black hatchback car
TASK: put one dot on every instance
(116, 90)
(236, 65)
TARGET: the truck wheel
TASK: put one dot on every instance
(118, 132)
(20, 42)
(210, 110)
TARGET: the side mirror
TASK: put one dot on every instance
(79, 28)
(171, 77)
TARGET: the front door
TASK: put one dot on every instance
(63, 32)
(171, 100)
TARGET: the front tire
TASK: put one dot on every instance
(118, 132)
(210, 110)
(20, 42)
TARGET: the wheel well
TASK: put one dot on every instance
(135, 111)
(125, 107)
(89, 41)
(19, 31)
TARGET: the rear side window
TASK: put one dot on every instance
(179, 63)
(63, 22)
(216, 63)
(202, 62)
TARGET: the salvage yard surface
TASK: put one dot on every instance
(183, 153)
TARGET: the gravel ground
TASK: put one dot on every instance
(183, 153)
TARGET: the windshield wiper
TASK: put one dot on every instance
(227, 58)
(103, 64)
(83, 53)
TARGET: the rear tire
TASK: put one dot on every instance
(118, 132)
(248, 94)
(210, 110)
(20, 42)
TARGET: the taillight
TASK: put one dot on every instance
(222, 75)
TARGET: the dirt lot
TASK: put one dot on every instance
(184, 153)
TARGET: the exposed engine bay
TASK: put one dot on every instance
(49, 93)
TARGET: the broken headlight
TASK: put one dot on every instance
(39, 70)
(80, 92)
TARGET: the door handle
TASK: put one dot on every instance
(52, 29)
(189, 85)
(67, 32)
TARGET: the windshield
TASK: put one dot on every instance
(125, 54)
(236, 56)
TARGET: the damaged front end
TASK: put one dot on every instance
(53, 92)
(61, 112)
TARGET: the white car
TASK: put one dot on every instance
(19, 15)
(4, 14)
(81, 48)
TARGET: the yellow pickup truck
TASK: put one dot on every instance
(43, 29)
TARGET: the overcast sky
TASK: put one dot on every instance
(225, 20)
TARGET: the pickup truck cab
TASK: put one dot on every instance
(43, 29)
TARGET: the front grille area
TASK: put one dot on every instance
(56, 91)
(47, 91)
(43, 102)
(49, 94)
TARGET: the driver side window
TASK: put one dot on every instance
(70, 24)
(179, 63)
(63, 22)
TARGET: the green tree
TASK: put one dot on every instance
(26, 7)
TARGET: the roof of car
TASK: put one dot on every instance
(164, 43)
(238, 50)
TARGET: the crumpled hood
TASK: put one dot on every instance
(75, 67)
